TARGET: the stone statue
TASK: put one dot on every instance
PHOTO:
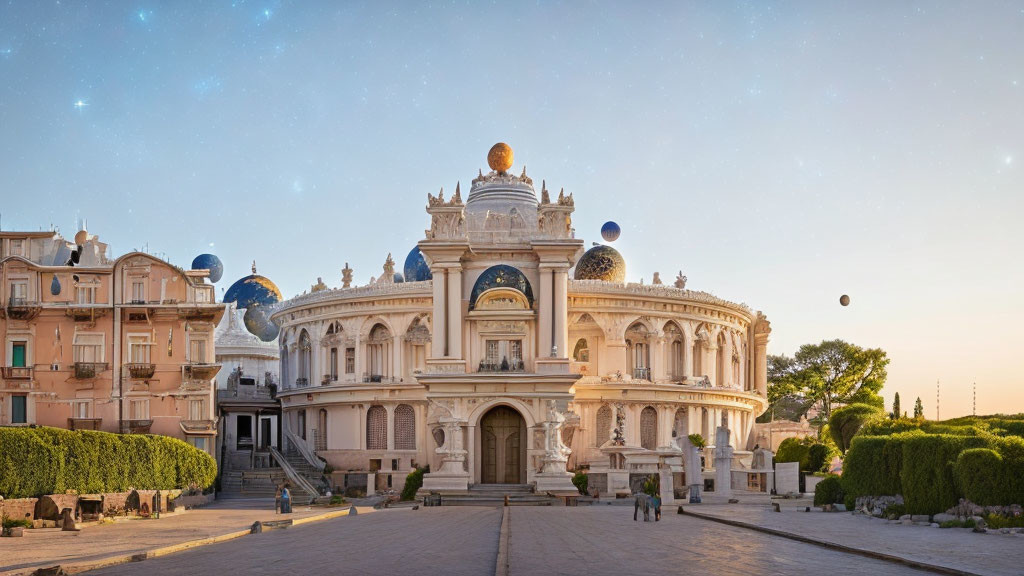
(680, 280)
(657, 279)
(618, 439)
(346, 276)
(319, 286)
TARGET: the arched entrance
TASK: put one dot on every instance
(502, 447)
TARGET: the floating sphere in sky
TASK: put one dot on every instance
(610, 231)
(844, 300)
(81, 237)
(211, 263)
(257, 322)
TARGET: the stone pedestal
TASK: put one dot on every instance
(723, 461)
(452, 476)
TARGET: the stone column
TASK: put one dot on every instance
(761, 364)
(560, 310)
(658, 358)
(687, 357)
(710, 363)
(455, 313)
(693, 420)
(390, 409)
(397, 352)
(727, 363)
(545, 314)
(439, 320)
(359, 358)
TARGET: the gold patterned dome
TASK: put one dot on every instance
(500, 157)
(601, 263)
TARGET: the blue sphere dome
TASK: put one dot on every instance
(257, 321)
(416, 269)
(211, 263)
(610, 231)
(398, 277)
(253, 290)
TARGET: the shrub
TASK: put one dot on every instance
(39, 461)
(793, 450)
(819, 457)
(581, 481)
(997, 521)
(978, 473)
(927, 480)
(846, 422)
(828, 491)
(8, 522)
(697, 440)
(872, 466)
(413, 482)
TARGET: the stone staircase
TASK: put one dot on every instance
(260, 483)
(303, 468)
(494, 495)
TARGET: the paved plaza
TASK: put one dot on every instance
(586, 540)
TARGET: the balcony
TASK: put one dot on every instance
(85, 313)
(84, 423)
(16, 372)
(22, 308)
(136, 426)
(302, 382)
(141, 371)
(328, 379)
(201, 371)
(641, 373)
(89, 370)
(503, 366)
(198, 313)
(196, 426)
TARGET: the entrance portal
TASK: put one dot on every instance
(503, 447)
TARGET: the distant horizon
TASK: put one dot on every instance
(778, 155)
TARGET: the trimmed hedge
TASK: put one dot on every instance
(413, 483)
(828, 491)
(873, 466)
(978, 473)
(39, 461)
(927, 476)
(793, 450)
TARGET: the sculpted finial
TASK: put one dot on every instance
(346, 276)
(253, 266)
(680, 280)
(545, 198)
(457, 199)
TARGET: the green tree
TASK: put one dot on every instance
(918, 408)
(895, 407)
(845, 422)
(830, 373)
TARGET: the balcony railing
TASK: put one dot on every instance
(301, 382)
(87, 370)
(17, 372)
(201, 370)
(378, 379)
(140, 370)
(641, 373)
(84, 423)
(504, 366)
(136, 426)
(328, 379)
(22, 308)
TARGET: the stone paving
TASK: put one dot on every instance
(457, 541)
(958, 548)
(52, 546)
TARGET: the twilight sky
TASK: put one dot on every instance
(779, 155)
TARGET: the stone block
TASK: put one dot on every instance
(940, 518)
(787, 477)
(921, 518)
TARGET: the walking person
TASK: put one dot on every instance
(286, 500)
(641, 500)
(656, 502)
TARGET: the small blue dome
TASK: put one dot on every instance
(416, 269)
(211, 263)
(610, 231)
(257, 322)
(398, 277)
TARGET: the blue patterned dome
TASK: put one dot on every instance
(257, 322)
(211, 263)
(610, 231)
(416, 269)
(253, 290)
(501, 276)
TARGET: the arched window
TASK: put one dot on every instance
(305, 359)
(377, 428)
(582, 352)
(675, 341)
(639, 351)
(681, 426)
(720, 361)
(378, 348)
(603, 426)
(649, 428)
(405, 427)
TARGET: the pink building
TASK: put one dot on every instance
(124, 345)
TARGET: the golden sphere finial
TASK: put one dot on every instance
(500, 157)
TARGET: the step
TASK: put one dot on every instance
(501, 488)
(495, 501)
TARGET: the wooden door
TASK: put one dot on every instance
(501, 432)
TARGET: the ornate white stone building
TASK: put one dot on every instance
(509, 356)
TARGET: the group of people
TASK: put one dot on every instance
(643, 501)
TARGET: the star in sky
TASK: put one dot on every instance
(79, 104)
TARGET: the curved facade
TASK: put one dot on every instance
(503, 370)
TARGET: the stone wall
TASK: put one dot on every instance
(19, 507)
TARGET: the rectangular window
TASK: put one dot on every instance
(504, 355)
(19, 409)
(198, 442)
(18, 354)
(139, 349)
(350, 360)
(85, 294)
(88, 348)
(197, 351)
(334, 363)
(19, 292)
(138, 291)
(82, 409)
(140, 409)
(17, 247)
(197, 409)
